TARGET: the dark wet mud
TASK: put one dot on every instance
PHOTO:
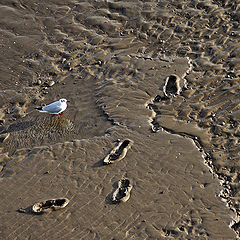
(163, 74)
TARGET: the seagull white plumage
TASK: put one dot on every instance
(55, 108)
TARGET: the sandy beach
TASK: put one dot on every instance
(159, 77)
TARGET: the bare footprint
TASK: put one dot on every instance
(46, 206)
(118, 152)
(122, 193)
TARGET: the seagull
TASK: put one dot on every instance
(55, 108)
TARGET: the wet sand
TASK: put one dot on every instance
(164, 75)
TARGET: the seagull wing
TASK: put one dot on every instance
(53, 108)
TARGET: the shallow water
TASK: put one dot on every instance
(111, 59)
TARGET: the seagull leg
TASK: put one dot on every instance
(59, 116)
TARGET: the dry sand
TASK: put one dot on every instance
(111, 59)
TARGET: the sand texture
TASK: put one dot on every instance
(161, 77)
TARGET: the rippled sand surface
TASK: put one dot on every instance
(117, 62)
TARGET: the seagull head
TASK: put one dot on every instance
(63, 100)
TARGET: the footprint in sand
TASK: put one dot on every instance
(46, 206)
(118, 152)
(172, 86)
(122, 193)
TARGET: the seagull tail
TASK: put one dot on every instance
(39, 109)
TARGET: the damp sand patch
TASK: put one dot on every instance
(36, 131)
